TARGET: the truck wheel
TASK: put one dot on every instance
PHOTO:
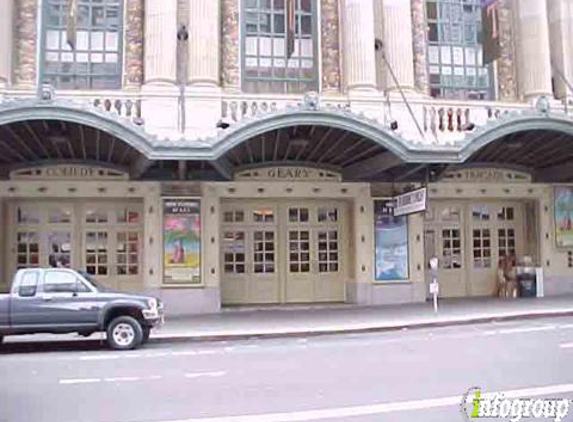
(1, 339)
(146, 332)
(124, 333)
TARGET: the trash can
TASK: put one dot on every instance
(527, 283)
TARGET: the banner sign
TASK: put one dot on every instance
(181, 241)
(391, 243)
(491, 31)
(410, 202)
(563, 208)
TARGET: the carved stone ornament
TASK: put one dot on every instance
(312, 100)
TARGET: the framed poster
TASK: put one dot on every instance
(563, 208)
(391, 243)
(181, 241)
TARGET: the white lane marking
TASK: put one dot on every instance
(518, 330)
(375, 409)
(205, 374)
(566, 345)
(99, 357)
(122, 379)
(526, 329)
(79, 381)
(565, 326)
(155, 377)
(187, 353)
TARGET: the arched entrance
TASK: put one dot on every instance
(498, 203)
(291, 215)
(68, 190)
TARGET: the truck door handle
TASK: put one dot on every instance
(48, 298)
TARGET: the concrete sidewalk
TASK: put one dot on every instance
(272, 322)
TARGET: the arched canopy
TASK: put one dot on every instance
(335, 119)
(360, 149)
(536, 142)
(33, 132)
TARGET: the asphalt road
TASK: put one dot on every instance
(396, 376)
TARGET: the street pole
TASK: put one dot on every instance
(434, 286)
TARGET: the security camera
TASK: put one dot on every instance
(182, 33)
(378, 44)
(468, 127)
(393, 125)
(222, 124)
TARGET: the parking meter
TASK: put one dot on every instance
(434, 286)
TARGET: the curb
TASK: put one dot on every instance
(360, 330)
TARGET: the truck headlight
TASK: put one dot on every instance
(152, 303)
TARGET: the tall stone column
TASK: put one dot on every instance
(6, 19)
(397, 41)
(359, 55)
(533, 47)
(160, 41)
(204, 43)
(560, 32)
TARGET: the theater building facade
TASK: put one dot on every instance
(222, 169)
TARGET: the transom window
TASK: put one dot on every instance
(455, 53)
(269, 65)
(95, 62)
(298, 215)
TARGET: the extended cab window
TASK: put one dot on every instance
(28, 284)
(63, 282)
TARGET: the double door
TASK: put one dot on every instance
(469, 239)
(283, 252)
(102, 237)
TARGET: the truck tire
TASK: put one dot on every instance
(146, 332)
(1, 338)
(124, 333)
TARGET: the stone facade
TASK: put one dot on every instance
(26, 34)
(134, 17)
(330, 39)
(420, 44)
(506, 72)
(230, 44)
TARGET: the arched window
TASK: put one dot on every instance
(268, 64)
(95, 61)
(455, 51)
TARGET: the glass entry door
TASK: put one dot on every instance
(287, 252)
(104, 238)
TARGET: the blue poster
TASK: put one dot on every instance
(391, 244)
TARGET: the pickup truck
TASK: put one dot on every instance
(62, 300)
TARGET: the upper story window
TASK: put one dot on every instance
(455, 53)
(279, 53)
(95, 61)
